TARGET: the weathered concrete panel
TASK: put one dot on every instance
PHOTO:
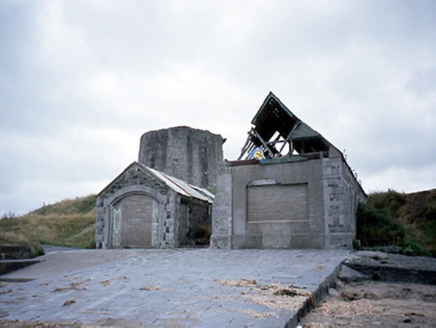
(305, 204)
(342, 194)
(136, 221)
(296, 190)
(183, 224)
(277, 203)
(299, 228)
(222, 210)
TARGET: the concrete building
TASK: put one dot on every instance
(303, 195)
(191, 155)
(143, 207)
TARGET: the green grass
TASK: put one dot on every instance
(66, 223)
(375, 228)
(405, 220)
(82, 205)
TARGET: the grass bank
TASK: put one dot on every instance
(67, 223)
(398, 219)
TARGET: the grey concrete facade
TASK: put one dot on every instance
(191, 155)
(296, 204)
(289, 188)
(142, 209)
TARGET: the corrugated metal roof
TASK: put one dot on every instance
(182, 187)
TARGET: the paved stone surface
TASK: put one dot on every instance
(168, 288)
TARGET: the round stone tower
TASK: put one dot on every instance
(189, 154)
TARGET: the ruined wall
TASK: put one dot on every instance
(271, 206)
(191, 155)
(280, 228)
(306, 204)
(198, 224)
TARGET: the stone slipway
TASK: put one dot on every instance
(170, 288)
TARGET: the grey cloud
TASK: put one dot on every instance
(81, 81)
(422, 83)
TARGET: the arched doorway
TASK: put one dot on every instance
(132, 220)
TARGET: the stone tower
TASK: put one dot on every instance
(189, 154)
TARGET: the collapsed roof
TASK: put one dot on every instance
(181, 187)
(278, 132)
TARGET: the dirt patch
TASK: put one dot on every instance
(149, 288)
(76, 285)
(102, 323)
(369, 304)
(275, 296)
(26, 324)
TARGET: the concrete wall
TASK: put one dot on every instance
(342, 195)
(222, 209)
(286, 232)
(306, 204)
(191, 155)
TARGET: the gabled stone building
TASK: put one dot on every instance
(303, 195)
(143, 207)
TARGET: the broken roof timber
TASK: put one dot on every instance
(275, 124)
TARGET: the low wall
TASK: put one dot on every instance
(14, 252)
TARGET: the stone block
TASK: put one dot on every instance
(220, 241)
(276, 241)
(347, 275)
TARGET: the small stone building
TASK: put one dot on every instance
(143, 208)
(303, 195)
(191, 155)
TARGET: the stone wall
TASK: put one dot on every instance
(135, 181)
(155, 211)
(189, 154)
(9, 252)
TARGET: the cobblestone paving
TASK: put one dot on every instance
(170, 288)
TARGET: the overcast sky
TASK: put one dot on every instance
(81, 81)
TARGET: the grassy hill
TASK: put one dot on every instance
(404, 220)
(66, 223)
